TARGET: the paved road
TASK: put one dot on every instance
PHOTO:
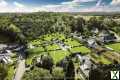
(20, 70)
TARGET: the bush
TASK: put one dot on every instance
(3, 71)
(37, 74)
(58, 73)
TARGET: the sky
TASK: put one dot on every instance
(59, 5)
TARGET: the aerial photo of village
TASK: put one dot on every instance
(59, 40)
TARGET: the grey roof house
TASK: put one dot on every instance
(107, 37)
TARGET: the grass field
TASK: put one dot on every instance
(100, 59)
(54, 49)
(45, 44)
(37, 50)
(10, 73)
(115, 46)
(58, 55)
(81, 49)
(71, 42)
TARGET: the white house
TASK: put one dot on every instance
(95, 30)
(107, 37)
(86, 66)
(6, 59)
(91, 43)
(2, 46)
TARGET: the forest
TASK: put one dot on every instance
(57, 44)
(29, 26)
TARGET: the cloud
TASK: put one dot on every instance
(3, 3)
(115, 2)
(83, 0)
(68, 3)
(98, 3)
(16, 7)
(75, 6)
(3, 6)
(75, 2)
(70, 7)
(54, 8)
(18, 4)
(97, 8)
(67, 6)
(19, 7)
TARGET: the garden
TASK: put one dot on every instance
(54, 44)
(99, 59)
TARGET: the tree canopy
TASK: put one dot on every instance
(37, 74)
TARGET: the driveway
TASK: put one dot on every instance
(20, 70)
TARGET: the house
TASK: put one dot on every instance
(5, 59)
(107, 37)
(2, 46)
(12, 46)
(78, 37)
(95, 30)
(5, 56)
(92, 43)
(85, 65)
(9, 52)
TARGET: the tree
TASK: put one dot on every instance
(37, 74)
(95, 22)
(70, 72)
(47, 62)
(78, 25)
(3, 71)
(58, 73)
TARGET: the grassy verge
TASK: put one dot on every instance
(114, 46)
(100, 59)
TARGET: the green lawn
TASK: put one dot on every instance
(115, 46)
(110, 55)
(81, 49)
(61, 37)
(35, 42)
(58, 55)
(35, 51)
(103, 60)
(52, 47)
(100, 59)
(72, 42)
(11, 67)
(10, 73)
(28, 61)
(47, 37)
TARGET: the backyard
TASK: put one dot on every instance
(46, 44)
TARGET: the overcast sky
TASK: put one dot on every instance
(59, 5)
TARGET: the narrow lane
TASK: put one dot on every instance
(20, 70)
